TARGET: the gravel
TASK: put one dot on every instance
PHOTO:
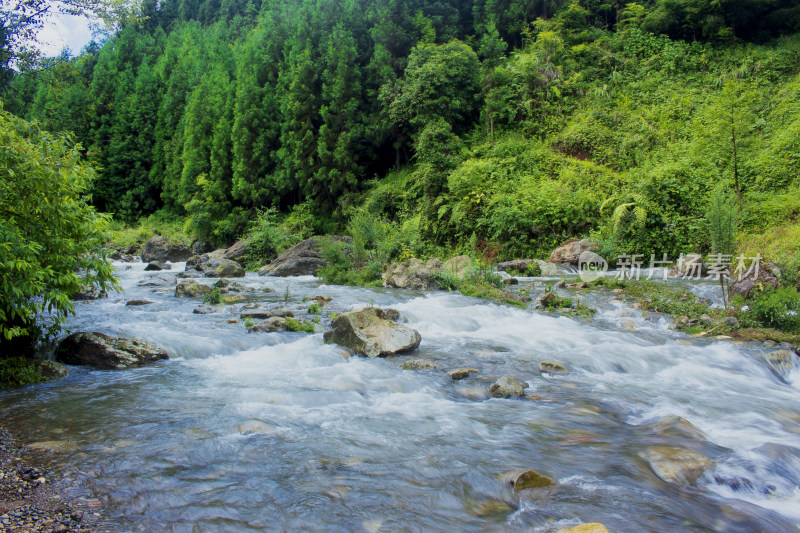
(29, 498)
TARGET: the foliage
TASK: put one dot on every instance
(16, 371)
(722, 221)
(296, 325)
(52, 239)
(214, 297)
(776, 308)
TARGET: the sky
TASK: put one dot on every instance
(64, 30)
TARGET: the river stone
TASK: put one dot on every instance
(517, 265)
(155, 266)
(256, 314)
(750, 284)
(111, 353)
(461, 373)
(138, 302)
(190, 274)
(90, 292)
(506, 387)
(554, 369)
(206, 310)
(222, 268)
(159, 279)
(237, 250)
(676, 465)
(570, 251)
(678, 426)
(593, 527)
(458, 266)
(413, 274)
(303, 259)
(163, 249)
(275, 323)
(419, 364)
(190, 288)
(231, 286)
(369, 332)
(781, 361)
(194, 262)
(530, 480)
(52, 370)
(283, 312)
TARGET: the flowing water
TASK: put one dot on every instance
(278, 431)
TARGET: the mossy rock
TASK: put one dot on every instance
(554, 369)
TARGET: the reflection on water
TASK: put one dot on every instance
(279, 431)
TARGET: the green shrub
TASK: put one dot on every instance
(214, 297)
(777, 308)
(296, 325)
(314, 309)
(16, 371)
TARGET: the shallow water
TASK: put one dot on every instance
(278, 431)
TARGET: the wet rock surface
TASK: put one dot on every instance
(106, 352)
(372, 332)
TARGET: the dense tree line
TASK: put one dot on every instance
(213, 108)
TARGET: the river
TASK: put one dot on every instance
(278, 431)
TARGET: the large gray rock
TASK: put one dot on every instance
(413, 274)
(748, 285)
(158, 280)
(275, 323)
(570, 251)
(303, 259)
(236, 250)
(507, 387)
(676, 465)
(111, 353)
(157, 265)
(163, 249)
(516, 265)
(190, 288)
(222, 268)
(370, 332)
(90, 292)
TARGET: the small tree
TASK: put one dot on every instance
(50, 237)
(722, 222)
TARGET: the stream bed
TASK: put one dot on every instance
(279, 431)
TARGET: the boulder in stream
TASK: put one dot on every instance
(594, 527)
(554, 369)
(222, 268)
(190, 288)
(570, 251)
(507, 387)
(159, 279)
(461, 373)
(236, 250)
(752, 283)
(90, 292)
(155, 266)
(413, 274)
(106, 352)
(370, 332)
(163, 249)
(419, 364)
(676, 465)
(781, 362)
(275, 323)
(303, 259)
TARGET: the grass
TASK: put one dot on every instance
(16, 371)
(479, 285)
(124, 235)
(297, 325)
(214, 297)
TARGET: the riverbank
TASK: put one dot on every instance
(29, 497)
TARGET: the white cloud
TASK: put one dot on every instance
(64, 31)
